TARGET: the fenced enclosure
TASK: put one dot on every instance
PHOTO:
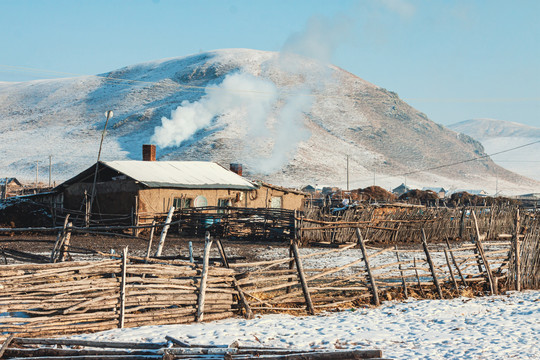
(70, 297)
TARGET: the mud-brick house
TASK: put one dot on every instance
(144, 189)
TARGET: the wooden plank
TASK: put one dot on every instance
(368, 268)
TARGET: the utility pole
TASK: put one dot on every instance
(37, 174)
(109, 115)
(347, 172)
(50, 170)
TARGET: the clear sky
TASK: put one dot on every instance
(453, 60)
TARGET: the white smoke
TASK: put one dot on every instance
(238, 91)
(274, 119)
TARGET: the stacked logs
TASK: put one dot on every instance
(49, 349)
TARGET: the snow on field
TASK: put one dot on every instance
(498, 327)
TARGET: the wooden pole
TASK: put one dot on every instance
(455, 264)
(480, 249)
(123, 289)
(368, 268)
(418, 278)
(65, 244)
(403, 282)
(6, 344)
(149, 249)
(302, 278)
(450, 270)
(430, 262)
(204, 277)
(59, 241)
(191, 252)
(462, 222)
(164, 231)
(241, 297)
(517, 253)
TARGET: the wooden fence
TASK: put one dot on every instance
(390, 224)
(74, 297)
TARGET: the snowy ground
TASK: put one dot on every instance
(499, 327)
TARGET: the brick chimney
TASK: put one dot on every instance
(236, 168)
(149, 152)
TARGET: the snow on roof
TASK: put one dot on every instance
(181, 174)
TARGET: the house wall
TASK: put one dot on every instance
(112, 197)
(262, 198)
(159, 200)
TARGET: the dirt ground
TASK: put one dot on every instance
(82, 246)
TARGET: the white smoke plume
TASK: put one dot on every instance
(274, 120)
(238, 91)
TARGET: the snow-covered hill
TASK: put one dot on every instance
(289, 120)
(499, 135)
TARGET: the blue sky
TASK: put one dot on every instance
(453, 60)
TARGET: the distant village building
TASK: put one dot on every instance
(472, 192)
(10, 187)
(401, 189)
(437, 190)
(309, 189)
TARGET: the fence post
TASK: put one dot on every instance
(517, 254)
(164, 231)
(123, 289)
(480, 250)
(431, 267)
(403, 282)
(241, 297)
(302, 278)
(204, 277)
(149, 249)
(368, 268)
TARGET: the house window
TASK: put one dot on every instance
(223, 203)
(182, 203)
(200, 201)
(276, 201)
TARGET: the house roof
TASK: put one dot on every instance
(173, 174)
(9, 181)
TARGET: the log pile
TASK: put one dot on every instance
(49, 349)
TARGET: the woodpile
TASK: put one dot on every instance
(170, 349)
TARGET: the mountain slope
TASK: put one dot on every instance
(320, 114)
(499, 135)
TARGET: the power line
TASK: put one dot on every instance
(458, 162)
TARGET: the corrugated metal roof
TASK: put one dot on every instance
(181, 174)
